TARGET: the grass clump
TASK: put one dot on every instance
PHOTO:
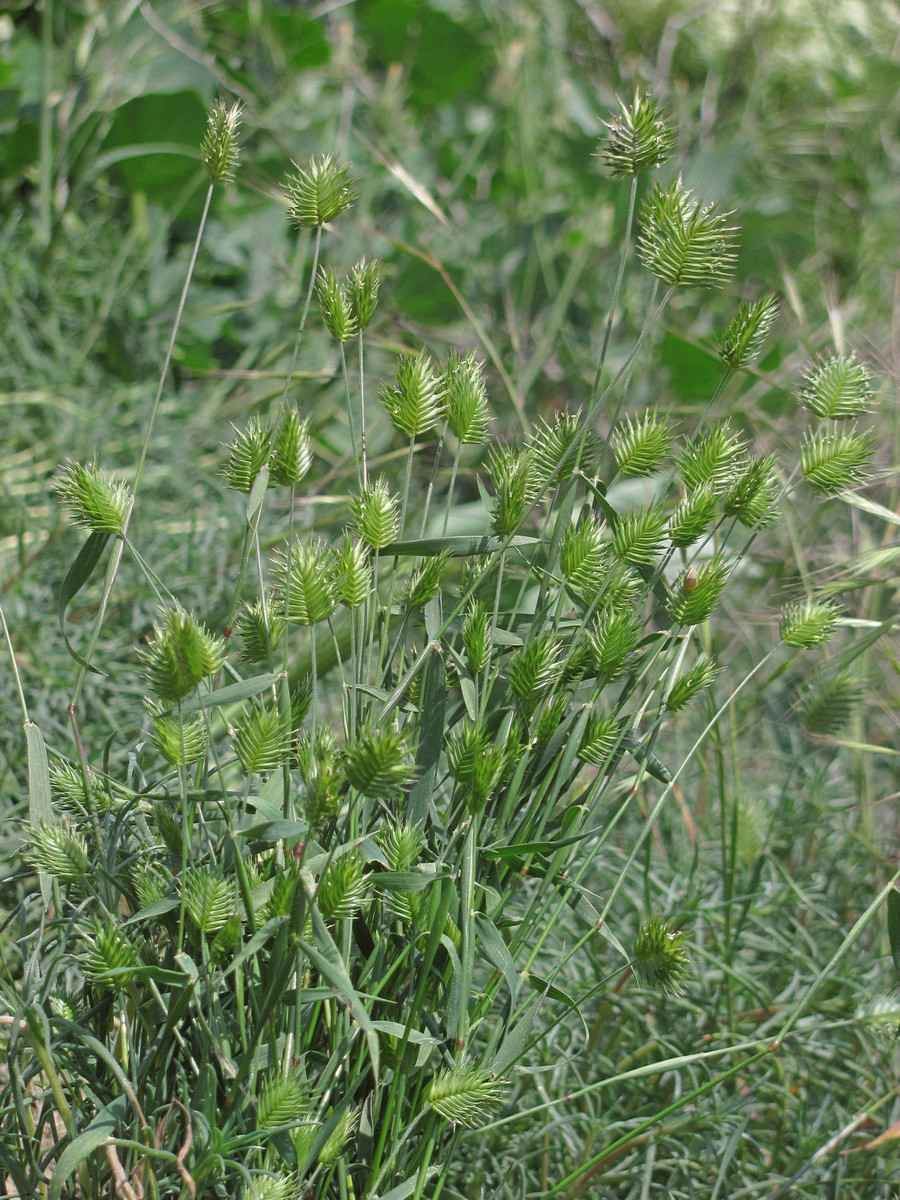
(328, 922)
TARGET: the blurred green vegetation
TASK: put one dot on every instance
(472, 128)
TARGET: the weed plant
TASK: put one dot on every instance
(317, 928)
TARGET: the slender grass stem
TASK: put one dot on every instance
(362, 410)
(303, 315)
(448, 507)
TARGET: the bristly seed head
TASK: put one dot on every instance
(660, 958)
(93, 499)
(694, 607)
(362, 290)
(219, 149)
(838, 388)
(808, 623)
(247, 455)
(684, 243)
(416, 403)
(180, 654)
(291, 455)
(742, 341)
(376, 514)
(318, 192)
(641, 137)
(335, 305)
(465, 398)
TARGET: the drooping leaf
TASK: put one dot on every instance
(99, 1133)
(77, 576)
(893, 920)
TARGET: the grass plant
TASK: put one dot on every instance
(386, 835)
(772, 847)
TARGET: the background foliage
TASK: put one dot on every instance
(472, 129)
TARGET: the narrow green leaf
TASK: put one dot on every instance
(40, 803)
(893, 921)
(395, 1029)
(99, 1133)
(556, 993)
(232, 693)
(869, 506)
(78, 574)
(275, 831)
(327, 960)
(431, 737)
(402, 1190)
(187, 964)
(469, 695)
(514, 1044)
(459, 545)
(156, 909)
(651, 763)
(454, 1005)
(256, 943)
(406, 881)
(257, 494)
(514, 852)
(498, 953)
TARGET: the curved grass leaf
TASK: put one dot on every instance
(893, 922)
(498, 953)
(99, 1133)
(232, 693)
(77, 576)
(459, 545)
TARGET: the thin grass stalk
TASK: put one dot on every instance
(48, 102)
(588, 1169)
(116, 558)
(384, 659)
(306, 303)
(440, 906)
(314, 707)
(848, 941)
(657, 808)
(650, 318)
(362, 411)
(623, 257)
(449, 505)
(466, 927)
(430, 489)
(185, 827)
(356, 453)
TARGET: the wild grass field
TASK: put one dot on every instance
(527, 927)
